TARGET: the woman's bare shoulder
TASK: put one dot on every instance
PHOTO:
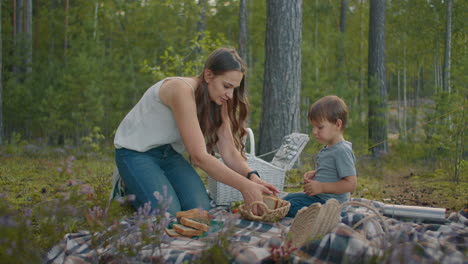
(176, 87)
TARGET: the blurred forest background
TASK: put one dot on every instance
(71, 70)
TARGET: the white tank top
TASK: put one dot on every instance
(149, 124)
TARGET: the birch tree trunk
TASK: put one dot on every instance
(377, 92)
(96, 12)
(448, 46)
(416, 95)
(399, 103)
(282, 78)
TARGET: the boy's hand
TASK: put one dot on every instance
(309, 176)
(313, 188)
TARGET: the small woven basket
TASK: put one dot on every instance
(269, 215)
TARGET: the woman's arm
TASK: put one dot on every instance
(180, 98)
(231, 155)
(227, 149)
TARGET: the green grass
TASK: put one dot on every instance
(49, 193)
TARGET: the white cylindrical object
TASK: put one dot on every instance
(415, 212)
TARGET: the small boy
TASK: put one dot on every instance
(334, 175)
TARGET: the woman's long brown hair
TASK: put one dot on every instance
(209, 113)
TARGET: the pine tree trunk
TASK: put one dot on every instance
(17, 37)
(36, 17)
(435, 76)
(316, 40)
(65, 40)
(19, 16)
(361, 62)
(282, 78)
(201, 24)
(448, 46)
(377, 92)
(340, 49)
(243, 33)
(29, 42)
(1, 80)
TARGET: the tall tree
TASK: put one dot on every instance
(201, 24)
(377, 91)
(243, 33)
(282, 77)
(17, 36)
(1, 78)
(243, 30)
(65, 39)
(96, 11)
(448, 46)
(28, 31)
(340, 49)
(316, 39)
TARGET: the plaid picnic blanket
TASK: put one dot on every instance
(236, 240)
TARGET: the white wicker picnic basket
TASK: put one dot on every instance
(272, 172)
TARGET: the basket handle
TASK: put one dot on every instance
(258, 217)
(251, 140)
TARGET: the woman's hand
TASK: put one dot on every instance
(254, 192)
(309, 176)
(270, 187)
(313, 188)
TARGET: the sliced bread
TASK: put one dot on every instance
(194, 224)
(196, 214)
(187, 231)
(173, 233)
(271, 201)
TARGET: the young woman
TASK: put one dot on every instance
(195, 114)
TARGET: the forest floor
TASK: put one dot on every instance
(42, 184)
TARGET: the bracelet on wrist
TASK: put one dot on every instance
(252, 172)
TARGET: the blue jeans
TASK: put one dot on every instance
(157, 169)
(299, 200)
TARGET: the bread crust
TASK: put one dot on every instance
(196, 214)
(194, 224)
(187, 231)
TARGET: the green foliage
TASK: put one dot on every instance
(185, 62)
(92, 142)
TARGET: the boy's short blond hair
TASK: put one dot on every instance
(330, 108)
